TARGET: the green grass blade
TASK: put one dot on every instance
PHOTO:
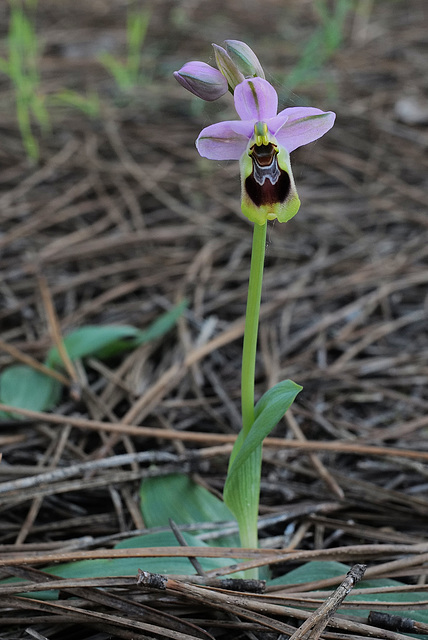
(89, 105)
(163, 324)
(4, 66)
(118, 70)
(137, 26)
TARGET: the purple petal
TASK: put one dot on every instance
(303, 125)
(275, 124)
(256, 100)
(202, 80)
(224, 140)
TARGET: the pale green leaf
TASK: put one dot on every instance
(105, 568)
(162, 325)
(319, 570)
(109, 340)
(179, 498)
(90, 340)
(118, 70)
(26, 388)
(312, 571)
(243, 494)
(129, 566)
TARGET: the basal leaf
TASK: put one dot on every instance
(178, 497)
(104, 568)
(90, 340)
(319, 570)
(162, 325)
(130, 566)
(109, 340)
(312, 571)
(26, 388)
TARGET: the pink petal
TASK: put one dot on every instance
(303, 125)
(224, 140)
(256, 100)
(202, 80)
(274, 124)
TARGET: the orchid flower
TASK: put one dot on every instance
(262, 142)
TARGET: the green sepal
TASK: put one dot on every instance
(244, 58)
(227, 67)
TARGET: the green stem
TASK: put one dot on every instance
(248, 524)
(251, 327)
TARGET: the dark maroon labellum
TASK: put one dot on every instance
(268, 184)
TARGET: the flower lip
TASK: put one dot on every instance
(265, 163)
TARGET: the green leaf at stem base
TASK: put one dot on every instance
(242, 487)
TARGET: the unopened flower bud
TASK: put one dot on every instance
(227, 67)
(202, 80)
(244, 58)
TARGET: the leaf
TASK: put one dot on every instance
(409, 599)
(90, 340)
(319, 570)
(178, 497)
(312, 571)
(130, 566)
(89, 104)
(162, 325)
(268, 412)
(110, 340)
(25, 388)
(104, 568)
(116, 68)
